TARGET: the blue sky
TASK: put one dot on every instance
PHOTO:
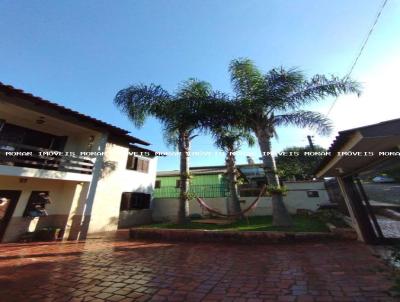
(80, 53)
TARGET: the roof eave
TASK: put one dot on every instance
(11, 91)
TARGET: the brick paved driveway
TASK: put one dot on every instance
(139, 271)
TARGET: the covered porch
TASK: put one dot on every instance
(65, 210)
(356, 157)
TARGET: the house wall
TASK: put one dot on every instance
(113, 181)
(62, 194)
(84, 209)
(43, 174)
(134, 217)
(166, 209)
(84, 204)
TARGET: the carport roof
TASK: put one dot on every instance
(380, 137)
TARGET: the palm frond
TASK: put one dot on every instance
(191, 104)
(215, 111)
(171, 138)
(193, 89)
(140, 101)
(228, 138)
(305, 119)
(245, 77)
(320, 87)
(278, 84)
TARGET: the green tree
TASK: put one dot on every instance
(229, 139)
(294, 163)
(265, 101)
(181, 114)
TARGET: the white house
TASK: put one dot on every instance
(95, 175)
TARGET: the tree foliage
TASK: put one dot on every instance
(230, 139)
(181, 114)
(264, 101)
(295, 164)
(277, 98)
(186, 110)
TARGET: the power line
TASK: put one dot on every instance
(361, 50)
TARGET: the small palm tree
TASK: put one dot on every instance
(181, 115)
(266, 101)
(229, 139)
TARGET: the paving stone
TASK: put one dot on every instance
(99, 270)
(115, 298)
(103, 296)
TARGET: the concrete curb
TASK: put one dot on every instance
(253, 237)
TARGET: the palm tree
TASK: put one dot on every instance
(181, 115)
(265, 101)
(229, 140)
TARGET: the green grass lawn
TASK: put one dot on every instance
(259, 223)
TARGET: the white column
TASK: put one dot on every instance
(97, 170)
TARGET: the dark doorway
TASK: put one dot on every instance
(8, 200)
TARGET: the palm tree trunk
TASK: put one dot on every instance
(280, 213)
(184, 149)
(234, 202)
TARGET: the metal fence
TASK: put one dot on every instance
(198, 190)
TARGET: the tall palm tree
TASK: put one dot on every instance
(265, 101)
(181, 114)
(229, 139)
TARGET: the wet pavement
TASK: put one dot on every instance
(152, 271)
(390, 228)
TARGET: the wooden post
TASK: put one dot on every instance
(357, 211)
(369, 208)
(350, 208)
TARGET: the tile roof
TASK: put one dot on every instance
(12, 91)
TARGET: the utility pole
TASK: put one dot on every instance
(310, 142)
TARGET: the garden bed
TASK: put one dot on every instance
(256, 230)
(302, 223)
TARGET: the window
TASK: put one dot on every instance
(158, 184)
(312, 193)
(134, 201)
(178, 183)
(137, 164)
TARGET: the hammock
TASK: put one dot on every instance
(252, 206)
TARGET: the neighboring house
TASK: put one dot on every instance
(210, 181)
(88, 193)
(255, 176)
(205, 182)
(254, 173)
(211, 184)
